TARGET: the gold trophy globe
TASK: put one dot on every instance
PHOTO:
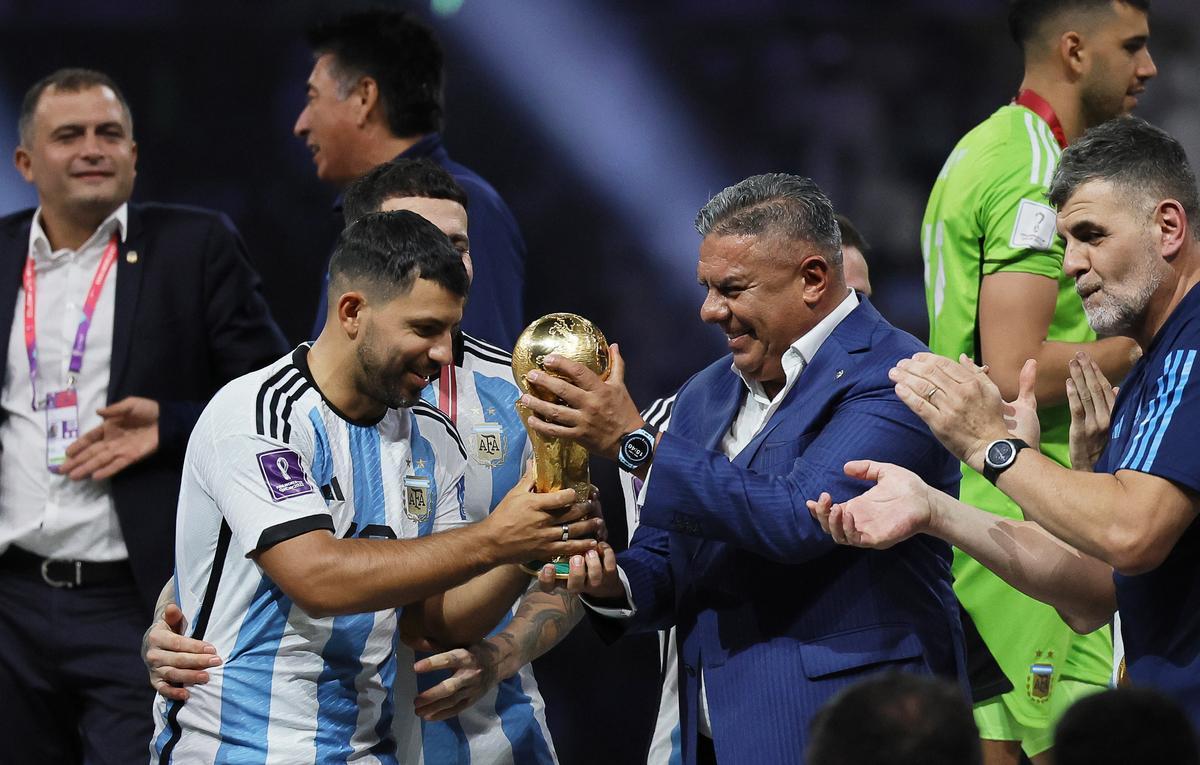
(558, 463)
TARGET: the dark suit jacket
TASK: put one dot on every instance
(775, 614)
(189, 317)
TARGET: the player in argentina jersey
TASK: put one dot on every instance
(492, 699)
(306, 487)
(996, 291)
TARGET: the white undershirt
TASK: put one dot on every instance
(754, 413)
(45, 513)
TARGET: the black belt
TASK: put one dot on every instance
(69, 574)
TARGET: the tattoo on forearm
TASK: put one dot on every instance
(537, 627)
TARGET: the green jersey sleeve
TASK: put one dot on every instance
(1016, 219)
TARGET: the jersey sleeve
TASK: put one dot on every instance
(1163, 437)
(1017, 221)
(265, 491)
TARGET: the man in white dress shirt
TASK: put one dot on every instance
(92, 424)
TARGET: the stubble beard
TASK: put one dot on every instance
(1117, 314)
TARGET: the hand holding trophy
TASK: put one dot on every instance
(559, 463)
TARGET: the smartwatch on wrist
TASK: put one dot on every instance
(1000, 456)
(637, 448)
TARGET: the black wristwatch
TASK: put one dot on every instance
(1000, 456)
(637, 448)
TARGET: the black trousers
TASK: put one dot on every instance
(705, 753)
(73, 688)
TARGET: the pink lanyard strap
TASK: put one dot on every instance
(29, 282)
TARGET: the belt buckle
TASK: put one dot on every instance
(62, 583)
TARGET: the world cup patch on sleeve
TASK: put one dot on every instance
(1034, 228)
(281, 470)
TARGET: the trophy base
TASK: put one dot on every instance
(562, 567)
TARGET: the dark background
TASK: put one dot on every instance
(605, 124)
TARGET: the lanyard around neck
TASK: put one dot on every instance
(29, 282)
(1042, 108)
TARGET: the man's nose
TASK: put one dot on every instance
(713, 309)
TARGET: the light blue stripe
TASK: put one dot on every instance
(246, 682)
(322, 467)
(676, 748)
(424, 462)
(1140, 441)
(519, 724)
(443, 742)
(1166, 419)
(165, 736)
(383, 729)
(498, 399)
(337, 696)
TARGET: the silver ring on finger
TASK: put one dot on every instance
(566, 532)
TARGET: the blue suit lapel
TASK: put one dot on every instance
(825, 373)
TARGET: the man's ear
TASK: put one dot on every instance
(1171, 228)
(23, 161)
(815, 271)
(1073, 55)
(366, 96)
(351, 307)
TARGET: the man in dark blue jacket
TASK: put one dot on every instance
(125, 319)
(375, 94)
(772, 617)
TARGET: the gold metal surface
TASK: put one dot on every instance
(558, 463)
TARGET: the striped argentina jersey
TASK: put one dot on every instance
(268, 460)
(665, 748)
(508, 724)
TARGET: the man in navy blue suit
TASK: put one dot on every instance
(375, 94)
(772, 618)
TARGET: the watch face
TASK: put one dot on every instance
(636, 448)
(999, 453)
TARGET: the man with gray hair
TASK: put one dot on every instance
(1125, 532)
(772, 619)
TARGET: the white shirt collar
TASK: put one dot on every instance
(797, 356)
(39, 243)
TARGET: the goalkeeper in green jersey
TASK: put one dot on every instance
(995, 290)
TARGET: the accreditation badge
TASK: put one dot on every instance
(62, 426)
(417, 504)
(1040, 683)
(489, 444)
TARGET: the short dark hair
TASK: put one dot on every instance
(1141, 160)
(896, 718)
(790, 205)
(383, 254)
(399, 178)
(1025, 17)
(1125, 725)
(851, 237)
(69, 80)
(399, 53)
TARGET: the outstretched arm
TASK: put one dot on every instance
(1021, 553)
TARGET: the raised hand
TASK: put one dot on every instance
(1091, 399)
(1020, 414)
(957, 400)
(593, 412)
(128, 434)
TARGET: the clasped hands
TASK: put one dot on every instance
(964, 409)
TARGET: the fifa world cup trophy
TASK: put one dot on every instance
(558, 463)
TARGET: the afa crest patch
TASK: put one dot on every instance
(417, 502)
(489, 444)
